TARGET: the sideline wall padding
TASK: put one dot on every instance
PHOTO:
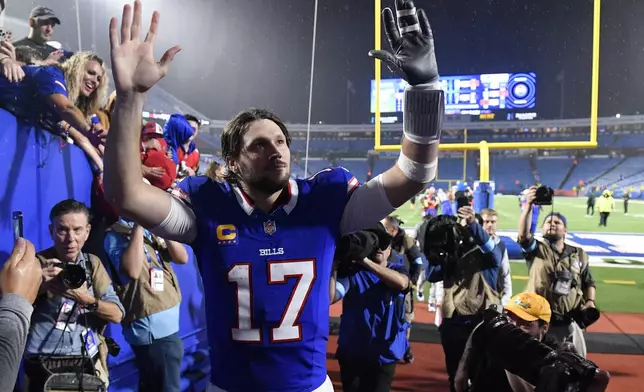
(36, 172)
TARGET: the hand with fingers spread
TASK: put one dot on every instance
(412, 42)
(133, 63)
(22, 273)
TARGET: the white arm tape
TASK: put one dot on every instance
(367, 206)
(420, 139)
(416, 171)
(180, 224)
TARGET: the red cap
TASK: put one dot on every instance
(156, 158)
(152, 129)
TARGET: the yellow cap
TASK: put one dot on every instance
(530, 307)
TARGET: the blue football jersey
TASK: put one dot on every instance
(266, 279)
(26, 99)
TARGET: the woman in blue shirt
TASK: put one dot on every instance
(60, 98)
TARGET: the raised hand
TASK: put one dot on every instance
(133, 64)
(412, 42)
(21, 274)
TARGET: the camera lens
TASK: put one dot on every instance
(73, 276)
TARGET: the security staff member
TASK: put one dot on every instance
(605, 205)
(372, 336)
(559, 272)
(468, 261)
(406, 246)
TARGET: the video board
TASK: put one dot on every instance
(480, 96)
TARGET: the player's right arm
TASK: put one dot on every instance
(135, 71)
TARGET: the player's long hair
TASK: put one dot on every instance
(74, 70)
(233, 135)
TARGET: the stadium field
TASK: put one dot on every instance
(617, 286)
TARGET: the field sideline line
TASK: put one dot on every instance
(621, 282)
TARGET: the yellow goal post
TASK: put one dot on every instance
(484, 147)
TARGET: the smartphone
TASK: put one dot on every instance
(462, 201)
(18, 225)
(5, 35)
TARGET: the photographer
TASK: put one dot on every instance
(75, 302)
(405, 245)
(528, 311)
(468, 261)
(372, 337)
(560, 273)
(511, 352)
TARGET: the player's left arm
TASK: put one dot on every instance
(412, 42)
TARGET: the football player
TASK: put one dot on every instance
(264, 242)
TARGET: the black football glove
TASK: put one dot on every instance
(412, 42)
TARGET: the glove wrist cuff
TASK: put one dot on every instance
(423, 115)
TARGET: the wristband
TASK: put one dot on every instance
(424, 107)
(416, 171)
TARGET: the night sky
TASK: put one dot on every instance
(241, 53)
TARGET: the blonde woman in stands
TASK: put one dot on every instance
(61, 98)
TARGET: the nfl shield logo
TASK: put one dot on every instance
(269, 227)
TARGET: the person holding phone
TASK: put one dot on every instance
(20, 280)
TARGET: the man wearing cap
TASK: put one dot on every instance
(528, 311)
(372, 337)
(559, 272)
(157, 167)
(42, 21)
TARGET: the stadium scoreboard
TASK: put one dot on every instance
(499, 96)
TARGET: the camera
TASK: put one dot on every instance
(358, 245)
(548, 369)
(543, 196)
(441, 239)
(73, 275)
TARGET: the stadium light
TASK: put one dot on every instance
(484, 147)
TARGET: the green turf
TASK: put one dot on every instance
(611, 296)
(573, 208)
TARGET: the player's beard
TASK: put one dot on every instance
(267, 185)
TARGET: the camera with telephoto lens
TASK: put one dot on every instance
(543, 196)
(73, 275)
(548, 369)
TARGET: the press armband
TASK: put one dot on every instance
(424, 107)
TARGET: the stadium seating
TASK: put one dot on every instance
(588, 169)
(553, 170)
(623, 172)
(507, 171)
